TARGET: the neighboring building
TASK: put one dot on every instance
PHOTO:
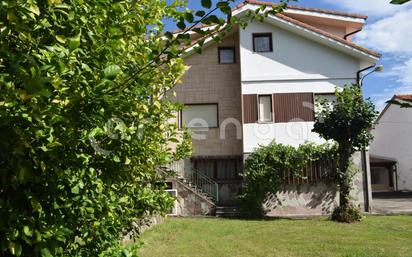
(391, 149)
(258, 86)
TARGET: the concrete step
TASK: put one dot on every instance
(227, 211)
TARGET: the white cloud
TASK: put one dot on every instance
(404, 72)
(374, 8)
(389, 35)
(389, 31)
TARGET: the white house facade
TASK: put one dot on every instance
(259, 85)
(391, 149)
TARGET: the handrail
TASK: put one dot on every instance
(204, 183)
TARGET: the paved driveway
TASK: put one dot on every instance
(392, 203)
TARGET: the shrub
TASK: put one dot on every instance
(264, 167)
(347, 213)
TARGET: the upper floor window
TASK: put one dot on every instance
(262, 42)
(265, 108)
(227, 55)
(199, 116)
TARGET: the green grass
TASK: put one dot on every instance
(208, 237)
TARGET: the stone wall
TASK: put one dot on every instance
(304, 200)
(319, 198)
(189, 202)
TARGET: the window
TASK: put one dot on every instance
(219, 167)
(199, 116)
(262, 42)
(227, 55)
(265, 108)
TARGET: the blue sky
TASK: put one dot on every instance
(388, 30)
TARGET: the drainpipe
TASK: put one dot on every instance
(363, 151)
(351, 33)
(366, 180)
(358, 74)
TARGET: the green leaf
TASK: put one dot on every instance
(112, 71)
(206, 3)
(169, 35)
(181, 25)
(27, 231)
(200, 13)
(34, 9)
(74, 42)
(399, 1)
(45, 252)
(189, 17)
(75, 190)
(61, 39)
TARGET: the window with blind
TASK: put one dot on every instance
(199, 116)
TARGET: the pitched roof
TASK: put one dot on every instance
(329, 35)
(294, 7)
(405, 97)
(312, 28)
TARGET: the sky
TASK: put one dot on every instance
(388, 30)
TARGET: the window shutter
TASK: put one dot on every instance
(293, 106)
(250, 110)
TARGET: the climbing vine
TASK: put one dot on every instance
(264, 167)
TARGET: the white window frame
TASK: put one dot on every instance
(200, 127)
(270, 108)
(174, 209)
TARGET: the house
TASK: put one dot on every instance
(391, 151)
(257, 86)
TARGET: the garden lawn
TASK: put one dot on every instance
(209, 237)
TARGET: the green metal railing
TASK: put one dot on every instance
(207, 185)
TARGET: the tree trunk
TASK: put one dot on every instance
(344, 178)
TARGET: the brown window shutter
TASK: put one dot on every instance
(293, 106)
(250, 110)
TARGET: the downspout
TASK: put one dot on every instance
(366, 180)
(358, 73)
(351, 33)
(363, 151)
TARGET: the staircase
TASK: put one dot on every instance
(227, 211)
(201, 184)
(195, 181)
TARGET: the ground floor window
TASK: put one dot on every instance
(219, 168)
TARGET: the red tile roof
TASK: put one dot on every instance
(327, 34)
(404, 97)
(352, 15)
(312, 28)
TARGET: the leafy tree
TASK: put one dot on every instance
(84, 117)
(348, 122)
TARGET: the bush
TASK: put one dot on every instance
(347, 214)
(264, 167)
